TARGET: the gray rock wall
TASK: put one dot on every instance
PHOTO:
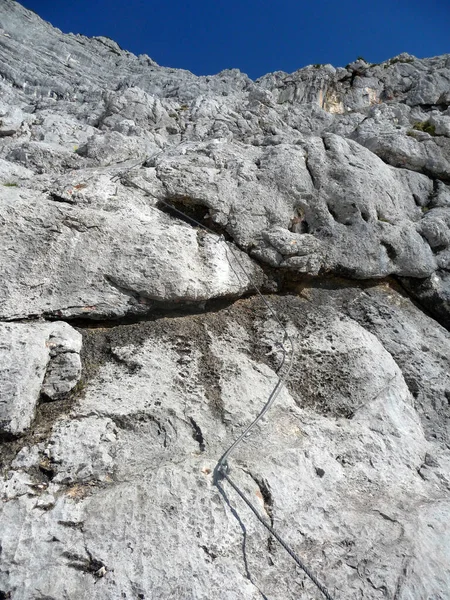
(134, 348)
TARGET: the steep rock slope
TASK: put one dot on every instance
(133, 352)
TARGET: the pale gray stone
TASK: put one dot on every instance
(314, 183)
(64, 369)
(224, 143)
(36, 358)
(338, 474)
(117, 256)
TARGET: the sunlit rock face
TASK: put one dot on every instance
(134, 348)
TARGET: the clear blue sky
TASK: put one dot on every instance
(206, 36)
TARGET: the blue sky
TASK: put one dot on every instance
(206, 36)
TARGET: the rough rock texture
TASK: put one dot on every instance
(348, 475)
(108, 261)
(36, 358)
(330, 189)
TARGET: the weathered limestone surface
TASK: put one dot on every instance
(278, 164)
(133, 352)
(347, 473)
(108, 258)
(36, 358)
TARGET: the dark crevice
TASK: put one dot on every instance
(47, 469)
(417, 200)
(160, 310)
(326, 143)
(197, 434)
(333, 213)
(433, 195)
(390, 250)
(388, 518)
(430, 107)
(267, 498)
(185, 209)
(95, 566)
(447, 396)
(208, 552)
(192, 211)
(439, 248)
(278, 282)
(299, 224)
(57, 198)
(86, 565)
(436, 309)
(356, 73)
(420, 474)
(4, 133)
(311, 174)
(7, 437)
(77, 525)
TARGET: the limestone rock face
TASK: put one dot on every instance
(282, 157)
(36, 358)
(344, 473)
(139, 207)
(68, 258)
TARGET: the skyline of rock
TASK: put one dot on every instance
(135, 349)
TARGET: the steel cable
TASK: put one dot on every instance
(222, 468)
(279, 539)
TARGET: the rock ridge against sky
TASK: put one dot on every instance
(134, 349)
